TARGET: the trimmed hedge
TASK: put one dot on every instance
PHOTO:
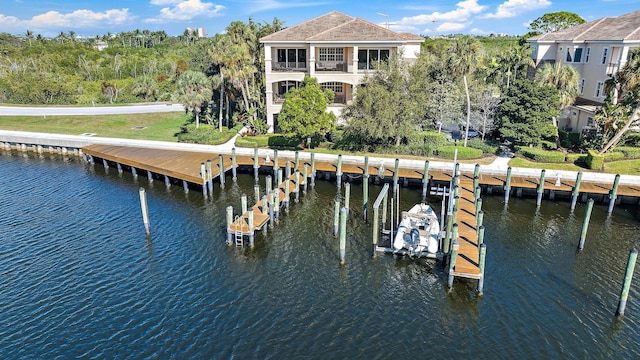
(246, 142)
(576, 158)
(487, 146)
(594, 161)
(448, 152)
(630, 152)
(205, 134)
(434, 139)
(569, 139)
(612, 156)
(540, 155)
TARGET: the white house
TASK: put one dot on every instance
(597, 50)
(334, 48)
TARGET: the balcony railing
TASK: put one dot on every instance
(331, 66)
(289, 66)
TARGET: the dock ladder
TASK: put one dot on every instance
(239, 238)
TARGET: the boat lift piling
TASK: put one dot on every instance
(382, 197)
(613, 195)
(576, 191)
(628, 276)
(540, 189)
(585, 224)
(343, 234)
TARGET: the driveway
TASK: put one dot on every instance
(96, 110)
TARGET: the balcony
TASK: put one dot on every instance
(289, 66)
(339, 66)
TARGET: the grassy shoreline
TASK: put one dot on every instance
(166, 126)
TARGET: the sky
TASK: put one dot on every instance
(437, 17)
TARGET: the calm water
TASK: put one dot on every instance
(78, 278)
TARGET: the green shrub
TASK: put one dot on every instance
(448, 152)
(246, 142)
(416, 149)
(283, 141)
(434, 139)
(568, 139)
(488, 146)
(594, 161)
(631, 139)
(205, 134)
(540, 155)
(630, 152)
(548, 145)
(576, 158)
(614, 155)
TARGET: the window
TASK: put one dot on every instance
(605, 52)
(590, 121)
(285, 86)
(292, 58)
(574, 55)
(586, 55)
(371, 58)
(331, 54)
(335, 86)
(598, 89)
(581, 86)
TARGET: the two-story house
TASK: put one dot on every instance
(597, 50)
(334, 48)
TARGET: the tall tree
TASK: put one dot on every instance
(525, 111)
(304, 111)
(384, 111)
(556, 21)
(193, 91)
(565, 79)
(463, 61)
(628, 88)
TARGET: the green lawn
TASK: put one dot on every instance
(625, 167)
(156, 126)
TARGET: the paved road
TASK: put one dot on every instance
(97, 110)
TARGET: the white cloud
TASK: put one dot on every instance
(265, 5)
(53, 21)
(452, 27)
(512, 8)
(462, 14)
(183, 10)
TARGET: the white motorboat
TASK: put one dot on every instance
(418, 232)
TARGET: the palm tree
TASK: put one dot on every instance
(29, 35)
(562, 77)
(193, 90)
(628, 87)
(518, 57)
(463, 60)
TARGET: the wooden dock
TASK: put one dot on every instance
(468, 255)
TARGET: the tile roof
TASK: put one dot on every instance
(619, 28)
(335, 26)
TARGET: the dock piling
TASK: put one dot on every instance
(167, 181)
(251, 228)
(452, 261)
(268, 184)
(306, 177)
(145, 211)
(365, 196)
(313, 170)
(339, 172)
(481, 234)
(234, 165)
(229, 222)
(347, 194)
(203, 174)
(483, 255)
(507, 186)
(540, 188)
(628, 276)
(256, 193)
(297, 189)
(256, 165)
(221, 168)
(336, 216)
(576, 191)
(585, 224)
(243, 203)
(343, 234)
(396, 175)
(425, 179)
(613, 195)
(209, 172)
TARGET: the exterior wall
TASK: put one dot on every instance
(350, 76)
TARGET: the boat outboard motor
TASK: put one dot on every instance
(398, 242)
(415, 240)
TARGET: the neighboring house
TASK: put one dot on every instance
(100, 45)
(597, 49)
(334, 48)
